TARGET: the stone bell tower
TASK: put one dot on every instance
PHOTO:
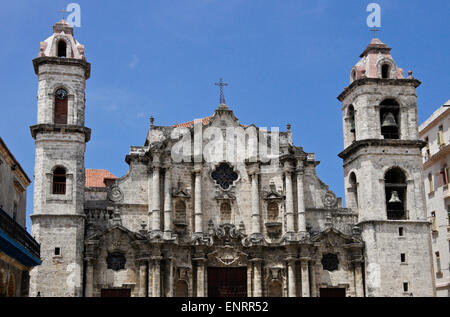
(383, 175)
(59, 176)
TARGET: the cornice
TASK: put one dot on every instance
(62, 61)
(378, 81)
(61, 128)
(380, 142)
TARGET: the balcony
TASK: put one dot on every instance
(444, 150)
(445, 192)
(16, 242)
(397, 214)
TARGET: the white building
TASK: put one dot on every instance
(436, 132)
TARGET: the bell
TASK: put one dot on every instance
(394, 198)
(389, 121)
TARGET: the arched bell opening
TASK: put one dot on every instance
(62, 49)
(395, 188)
(385, 71)
(389, 119)
(353, 190)
(351, 122)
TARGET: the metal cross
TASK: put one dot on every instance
(374, 30)
(221, 84)
(63, 12)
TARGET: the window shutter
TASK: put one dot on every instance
(441, 138)
(434, 223)
(61, 111)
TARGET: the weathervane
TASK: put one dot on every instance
(374, 30)
(63, 13)
(221, 84)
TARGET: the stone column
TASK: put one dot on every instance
(257, 277)
(256, 218)
(292, 283)
(200, 277)
(198, 214)
(249, 279)
(142, 278)
(170, 286)
(150, 278)
(156, 221)
(289, 199)
(359, 285)
(305, 277)
(167, 205)
(156, 280)
(89, 290)
(313, 279)
(301, 201)
(156, 199)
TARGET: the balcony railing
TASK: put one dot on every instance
(18, 233)
(397, 214)
(59, 188)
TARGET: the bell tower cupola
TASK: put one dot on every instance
(383, 173)
(60, 139)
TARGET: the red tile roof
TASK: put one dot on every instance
(190, 124)
(96, 178)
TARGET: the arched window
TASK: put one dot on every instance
(395, 188)
(180, 212)
(225, 212)
(353, 75)
(62, 48)
(181, 289)
(385, 70)
(59, 181)
(272, 211)
(354, 189)
(61, 104)
(389, 119)
(351, 122)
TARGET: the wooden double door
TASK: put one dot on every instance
(227, 282)
(116, 293)
(332, 292)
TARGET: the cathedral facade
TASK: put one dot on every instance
(213, 207)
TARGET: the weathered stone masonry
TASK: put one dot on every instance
(165, 227)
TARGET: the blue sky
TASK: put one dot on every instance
(286, 62)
